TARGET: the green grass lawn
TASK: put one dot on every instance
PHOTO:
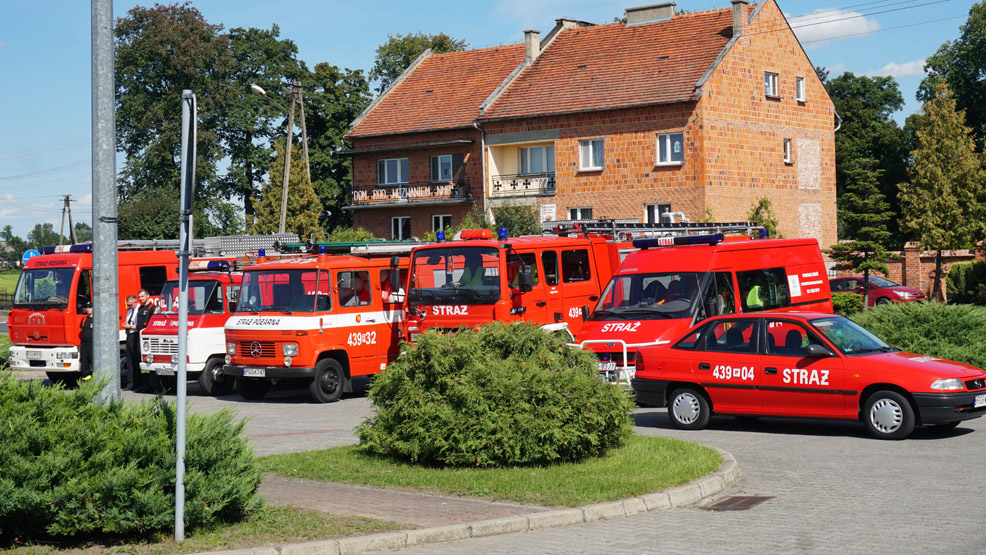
(8, 279)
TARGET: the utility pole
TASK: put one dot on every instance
(287, 163)
(67, 207)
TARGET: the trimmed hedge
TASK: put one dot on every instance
(967, 283)
(503, 395)
(72, 469)
(955, 332)
(847, 304)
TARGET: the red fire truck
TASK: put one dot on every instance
(213, 289)
(673, 282)
(50, 297)
(321, 319)
(551, 280)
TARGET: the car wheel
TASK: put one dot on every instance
(689, 409)
(329, 381)
(163, 384)
(213, 381)
(888, 415)
(252, 389)
(883, 301)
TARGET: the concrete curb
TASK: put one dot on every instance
(680, 496)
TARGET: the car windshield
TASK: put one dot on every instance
(464, 275)
(849, 337)
(880, 282)
(47, 288)
(650, 296)
(286, 291)
(204, 297)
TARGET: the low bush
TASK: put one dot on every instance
(847, 304)
(504, 395)
(71, 468)
(955, 332)
(966, 283)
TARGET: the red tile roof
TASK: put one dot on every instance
(615, 65)
(444, 92)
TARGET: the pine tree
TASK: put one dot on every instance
(944, 202)
(303, 205)
(865, 212)
(762, 213)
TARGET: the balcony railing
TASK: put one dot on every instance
(524, 185)
(451, 191)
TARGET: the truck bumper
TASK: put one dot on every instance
(268, 372)
(48, 359)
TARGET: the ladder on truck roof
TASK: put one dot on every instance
(627, 230)
(350, 247)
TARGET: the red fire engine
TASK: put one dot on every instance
(213, 289)
(321, 319)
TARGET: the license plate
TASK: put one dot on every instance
(166, 372)
(606, 366)
(34, 354)
(254, 373)
(980, 401)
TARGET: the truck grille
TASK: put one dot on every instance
(257, 349)
(160, 346)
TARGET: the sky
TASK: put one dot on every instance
(45, 63)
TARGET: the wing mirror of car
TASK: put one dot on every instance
(819, 351)
(525, 278)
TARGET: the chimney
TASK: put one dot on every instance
(532, 44)
(650, 14)
(740, 16)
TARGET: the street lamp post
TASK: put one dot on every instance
(295, 98)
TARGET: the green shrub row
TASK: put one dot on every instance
(847, 304)
(72, 468)
(966, 283)
(955, 332)
(500, 396)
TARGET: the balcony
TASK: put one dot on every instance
(523, 185)
(413, 193)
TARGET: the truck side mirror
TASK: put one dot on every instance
(525, 278)
(346, 280)
(395, 261)
(818, 351)
(395, 280)
(585, 313)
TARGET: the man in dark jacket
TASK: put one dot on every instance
(85, 344)
(144, 312)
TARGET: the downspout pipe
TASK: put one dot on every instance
(482, 166)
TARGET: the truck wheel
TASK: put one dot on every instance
(888, 415)
(67, 379)
(688, 409)
(213, 381)
(329, 381)
(163, 384)
(252, 389)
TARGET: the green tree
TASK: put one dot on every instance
(395, 55)
(869, 132)
(865, 212)
(944, 201)
(762, 213)
(962, 65)
(83, 232)
(518, 219)
(44, 235)
(303, 207)
(153, 214)
(13, 248)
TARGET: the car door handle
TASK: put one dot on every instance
(704, 366)
(594, 298)
(541, 303)
(770, 370)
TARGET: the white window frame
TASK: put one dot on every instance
(397, 228)
(771, 86)
(403, 164)
(593, 147)
(438, 178)
(524, 154)
(655, 211)
(441, 221)
(666, 140)
(799, 89)
(788, 151)
(576, 213)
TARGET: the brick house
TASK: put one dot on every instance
(692, 114)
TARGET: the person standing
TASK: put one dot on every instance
(145, 310)
(85, 344)
(132, 368)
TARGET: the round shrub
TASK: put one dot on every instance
(503, 395)
(72, 468)
(847, 304)
(955, 332)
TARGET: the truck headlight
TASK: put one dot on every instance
(287, 361)
(951, 384)
(62, 356)
(289, 349)
(231, 348)
(145, 346)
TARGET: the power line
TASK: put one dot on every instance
(886, 29)
(55, 170)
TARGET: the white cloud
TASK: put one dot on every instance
(820, 27)
(893, 69)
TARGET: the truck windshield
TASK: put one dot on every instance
(204, 297)
(464, 275)
(649, 296)
(286, 291)
(44, 288)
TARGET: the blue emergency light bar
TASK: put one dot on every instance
(649, 242)
(501, 233)
(261, 253)
(207, 265)
(440, 236)
(61, 249)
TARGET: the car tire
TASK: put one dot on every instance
(213, 381)
(888, 415)
(688, 409)
(329, 381)
(252, 389)
(163, 384)
(883, 301)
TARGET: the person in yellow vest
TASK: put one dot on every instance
(753, 299)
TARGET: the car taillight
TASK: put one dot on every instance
(638, 362)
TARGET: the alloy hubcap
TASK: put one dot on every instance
(886, 416)
(686, 408)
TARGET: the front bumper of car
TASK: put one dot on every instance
(944, 408)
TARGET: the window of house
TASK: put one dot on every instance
(583, 213)
(400, 228)
(653, 212)
(770, 84)
(671, 148)
(392, 171)
(441, 221)
(537, 159)
(788, 154)
(799, 88)
(441, 167)
(591, 154)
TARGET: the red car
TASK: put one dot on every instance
(808, 365)
(880, 291)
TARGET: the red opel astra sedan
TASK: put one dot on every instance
(804, 365)
(880, 291)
